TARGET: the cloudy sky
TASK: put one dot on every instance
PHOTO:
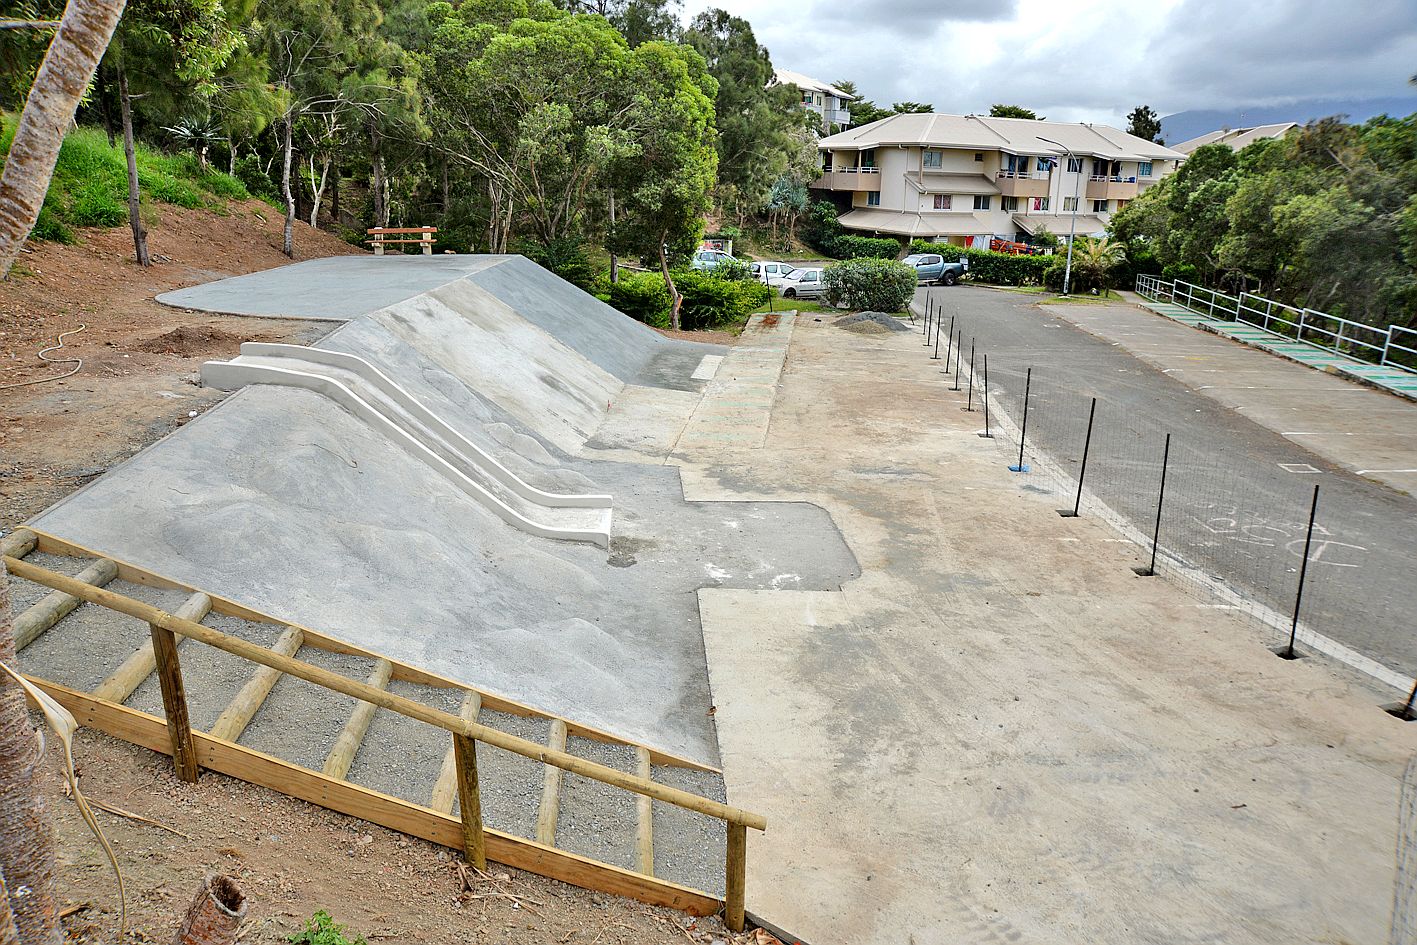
(1080, 60)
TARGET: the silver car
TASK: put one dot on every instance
(707, 260)
(800, 284)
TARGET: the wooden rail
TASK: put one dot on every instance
(465, 732)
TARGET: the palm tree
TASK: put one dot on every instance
(1094, 260)
(63, 77)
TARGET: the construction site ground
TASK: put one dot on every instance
(995, 733)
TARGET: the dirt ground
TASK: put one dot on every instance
(291, 859)
(137, 380)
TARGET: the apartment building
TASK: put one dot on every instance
(831, 103)
(1238, 138)
(964, 179)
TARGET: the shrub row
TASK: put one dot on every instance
(987, 266)
(708, 302)
(865, 247)
(878, 285)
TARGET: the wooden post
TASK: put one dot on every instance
(174, 703)
(644, 816)
(465, 751)
(737, 877)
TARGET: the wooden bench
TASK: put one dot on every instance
(379, 237)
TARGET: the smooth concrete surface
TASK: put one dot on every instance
(282, 500)
(1000, 733)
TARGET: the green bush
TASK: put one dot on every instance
(990, 267)
(865, 247)
(712, 302)
(820, 228)
(256, 181)
(1085, 278)
(1183, 271)
(566, 257)
(643, 296)
(881, 285)
(322, 930)
(732, 270)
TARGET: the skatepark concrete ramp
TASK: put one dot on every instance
(372, 396)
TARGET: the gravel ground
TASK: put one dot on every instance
(689, 848)
(510, 784)
(299, 721)
(598, 820)
(402, 756)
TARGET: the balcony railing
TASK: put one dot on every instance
(849, 178)
(1022, 175)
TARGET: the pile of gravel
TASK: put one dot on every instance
(870, 323)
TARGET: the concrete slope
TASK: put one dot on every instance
(369, 394)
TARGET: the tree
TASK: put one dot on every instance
(1143, 122)
(755, 118)
(639, 21)
(912, 108)
(666, 174)
(64, 75)
(1013, 111)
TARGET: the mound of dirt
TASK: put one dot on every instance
(870, 323)
(189, 341)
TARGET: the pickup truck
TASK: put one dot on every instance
(930, 267)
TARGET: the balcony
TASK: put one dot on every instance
(1022, 183)
(849, 178)
(1114, 187)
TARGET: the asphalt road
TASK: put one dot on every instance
(1237, 493)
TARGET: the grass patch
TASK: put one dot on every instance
(779, 304)
(90, 183)
(1049, 297)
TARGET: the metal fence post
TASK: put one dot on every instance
(1023, 428)
(949, 341)
(969, 404)
(1160, 499)
(986, 434)
(1288, 652)
(959, 347)
(936, 355)
(1082, 471)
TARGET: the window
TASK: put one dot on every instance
(806, 98)
(942, 201)
(1041, 203)
(1070, 204)
(1122, 203)
(868, 158)
(809, 277)
(1074, 165)
(1144, 169)
(979, 157)
(873, 198)
(1010, 204)
(1099, 206)
(981, 201)
(1100, 167)
(932, 159)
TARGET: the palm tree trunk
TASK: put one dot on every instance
(26, 839)
(135, 220)
(63, 77)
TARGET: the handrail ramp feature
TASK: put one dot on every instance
(175, 734)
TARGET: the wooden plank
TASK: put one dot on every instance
(52, 544)
(550, 810)
(341, 756)
(55, 606)
(736, 881)
(18, 543)
(283, 663)
(237, 761)
(644, 818)
(447, 785)
(246, 703)
(174, 703)
(137, 667)
(470, 801)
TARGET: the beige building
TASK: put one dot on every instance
(966, 178)
(828, 101)
(1237, 138)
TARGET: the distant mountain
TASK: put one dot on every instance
(1183, 126)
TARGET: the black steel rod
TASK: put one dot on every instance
(959, 346)
(969, 405)
(1023, 429)
(936, 355)
(1303, 571)
(949, 341)
(987, 434)
(1086, 446)
(1160, 499)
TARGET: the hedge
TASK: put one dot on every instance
(708, 302)
(878, 285)
(987, 266)
(865, 247)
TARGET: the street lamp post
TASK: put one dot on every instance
(1073, 224)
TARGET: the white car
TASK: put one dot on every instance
(767, 270)
(800, 283)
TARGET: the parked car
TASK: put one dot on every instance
(768, 270)
(708, 259)
(800, 283)
(930, 267)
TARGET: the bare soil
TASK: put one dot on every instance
(292, 859)
(137, 380)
